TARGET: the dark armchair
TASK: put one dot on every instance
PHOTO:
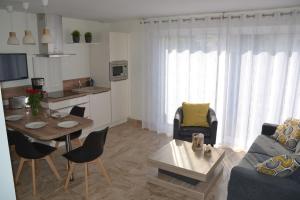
(185, 132)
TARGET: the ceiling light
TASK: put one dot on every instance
(12, 39)
(46, 36)
(28, 38)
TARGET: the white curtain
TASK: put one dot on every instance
(247, 67)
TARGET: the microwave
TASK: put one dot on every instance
(118, 70)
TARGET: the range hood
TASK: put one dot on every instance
(55, 48)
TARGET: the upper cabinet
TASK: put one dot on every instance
(118, 46)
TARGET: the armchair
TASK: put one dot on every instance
(185, 132)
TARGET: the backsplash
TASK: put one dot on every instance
(74, 83)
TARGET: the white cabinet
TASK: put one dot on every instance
(119, 101)
(118, 46)
(100, 110)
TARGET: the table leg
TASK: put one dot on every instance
(68, 149)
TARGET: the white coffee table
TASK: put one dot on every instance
(183, 170)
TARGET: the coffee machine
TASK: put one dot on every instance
(38, 83)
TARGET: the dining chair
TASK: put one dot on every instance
(77, 111)
(88, 153)
(32, 151)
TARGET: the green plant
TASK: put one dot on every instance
(88, 34)
(34, 100)
(76, 33)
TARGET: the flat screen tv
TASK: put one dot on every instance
(13, 66)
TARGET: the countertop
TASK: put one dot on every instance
(75, 93)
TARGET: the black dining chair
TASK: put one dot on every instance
(88, 153)
(77, 111)
(32, 151)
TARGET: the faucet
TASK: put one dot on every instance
(79, 84)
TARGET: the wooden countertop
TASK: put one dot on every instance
(51, 130)
(75, 93)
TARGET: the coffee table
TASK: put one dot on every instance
(183, 170)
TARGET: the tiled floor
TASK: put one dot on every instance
(125, 158)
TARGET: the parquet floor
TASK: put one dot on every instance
(125, 158)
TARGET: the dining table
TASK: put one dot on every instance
(51, 130)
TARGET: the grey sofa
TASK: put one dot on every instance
(246, 184)
(185, 132)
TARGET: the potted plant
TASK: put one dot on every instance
(76, 36)
(88, 37)
(34, 100)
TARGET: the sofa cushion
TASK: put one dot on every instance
(250, 160)
(269, 147)
(281, 165)
(195, 114)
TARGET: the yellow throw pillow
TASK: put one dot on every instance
(282, 165)
(288, 134)
(195, 114)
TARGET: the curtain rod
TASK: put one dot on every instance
(223, 15)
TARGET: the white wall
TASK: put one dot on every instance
(6, 175)
(18, 27)
(135, 64)
(71, 67)
(79, 65)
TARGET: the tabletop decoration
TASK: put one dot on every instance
(34, 100)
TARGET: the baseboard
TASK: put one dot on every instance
(135, 122)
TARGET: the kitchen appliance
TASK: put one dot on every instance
(13, 66)
(38, 83)
(55, 48)
(118, 70)
(18, 102)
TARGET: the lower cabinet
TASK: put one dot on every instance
(100, 110)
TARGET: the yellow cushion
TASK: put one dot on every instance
(282, 165)
(195, 114)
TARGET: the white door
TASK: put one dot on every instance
(118, 46)
(120, 101)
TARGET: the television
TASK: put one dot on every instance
(13, 66)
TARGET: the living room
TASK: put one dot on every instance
(150, 100)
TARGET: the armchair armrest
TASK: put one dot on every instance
(177, 123)
(213, 124)
(247, 184)
(268, 129)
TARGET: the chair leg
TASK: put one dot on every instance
(86, 180)
(22, 160)
(103, 170)
(52, 167)
(69, 175)
(33, 177)
(56, 144)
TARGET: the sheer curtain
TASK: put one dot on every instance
(247, 67)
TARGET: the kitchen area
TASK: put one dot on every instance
(90, 75)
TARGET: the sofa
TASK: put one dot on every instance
(186, 132)
(246, 183)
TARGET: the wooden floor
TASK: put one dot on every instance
(125, 158)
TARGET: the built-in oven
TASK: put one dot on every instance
(118, 70)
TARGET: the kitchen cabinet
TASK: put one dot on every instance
(100, 107)
(113, 48)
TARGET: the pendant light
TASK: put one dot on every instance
(28, 38)
(46, 37)
(12, 39)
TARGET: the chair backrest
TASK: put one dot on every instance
(77, 111)
(94, 143)
(24, 147)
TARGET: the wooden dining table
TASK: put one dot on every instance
(51, 130)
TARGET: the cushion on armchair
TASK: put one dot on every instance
(282, 165)
(195, 114)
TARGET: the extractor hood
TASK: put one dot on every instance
(54, 24)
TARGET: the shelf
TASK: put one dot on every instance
(84, 43)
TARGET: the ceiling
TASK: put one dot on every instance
(117, 10)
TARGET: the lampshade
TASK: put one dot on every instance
(46, 37)
(28, 39)
(12, 39)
